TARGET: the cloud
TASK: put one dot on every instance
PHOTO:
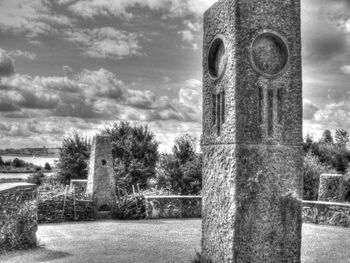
(67, 70)
(19, 53)
(30, 17)
(345, 69)
(309, 109)
(121, 8)
(7, 64)
(106, 42)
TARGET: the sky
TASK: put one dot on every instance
(80, 65)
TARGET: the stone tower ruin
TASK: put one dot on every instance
(252, 132)
(101, 185)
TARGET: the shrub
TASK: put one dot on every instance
(340, 219)
(47, 167)
(313, 168)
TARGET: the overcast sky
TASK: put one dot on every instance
(79, 65)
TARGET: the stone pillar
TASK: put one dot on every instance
(331, 189)
(101, 185)
(252, 132)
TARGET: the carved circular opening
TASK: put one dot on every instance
(269, 54)
(104, 162)
(217, 58)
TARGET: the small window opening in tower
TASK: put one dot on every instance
(104, 162)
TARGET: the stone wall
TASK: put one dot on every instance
(18, 216)
(326, 213)
(55, 210)
(173, 206)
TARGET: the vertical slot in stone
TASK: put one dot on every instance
(261, 105)
(279, 105)
(214, 109)
(223, 107)
(218, 123)
(270, 116)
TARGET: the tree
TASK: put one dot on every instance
(182, 170)
(17, 163)
(184, 148)
(135, 151)
(341, 138)
(47, 167)
(327, 137)
(74, 154)
(1, 161)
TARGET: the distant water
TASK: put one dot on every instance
(29, 159)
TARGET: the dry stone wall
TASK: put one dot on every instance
(173, 207)
(18, 216)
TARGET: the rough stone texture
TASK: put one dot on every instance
(252, 177)
(101, 185)
(18, 216)
(331, 188)
(79, 185)
(326, 213)
(173, 206)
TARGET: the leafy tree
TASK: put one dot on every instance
(313, 168)
(184, 148)
(341, 138)
(47, 166)
(182, 170)
(17, 163)
(74, 154)
(327, 137)
(135, 151)
(1, 161)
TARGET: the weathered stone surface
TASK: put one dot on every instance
(18, 216)
(173, 206)
(326, 213)
(252, 132)
(101, 185)
(331, 188)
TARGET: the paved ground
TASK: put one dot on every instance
(154, 241)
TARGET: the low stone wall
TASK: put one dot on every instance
(326, 213)
(173, 206)
(56, 210)
(18, 216)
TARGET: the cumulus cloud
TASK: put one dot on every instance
(7, 66)
(106, 42)
(171, 8)
(21, 53)
(309, 109)
(67, 69)
(345, 69)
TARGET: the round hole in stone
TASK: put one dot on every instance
(269, 54)
(216, 58)
(104, 208)
(104, 162)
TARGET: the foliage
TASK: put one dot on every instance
(327, 137)
(313, 168)
(1, 161)
(335, 155)
(36, 178)
(74, 154)
(47, 167)
(17, 163)
(341, 138)
(181, 171)
(135, 151)
(184, 148)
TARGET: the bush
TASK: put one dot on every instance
(313, 168)
(74, 154)
(17, 163)
(48, 167)
(135, 151)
